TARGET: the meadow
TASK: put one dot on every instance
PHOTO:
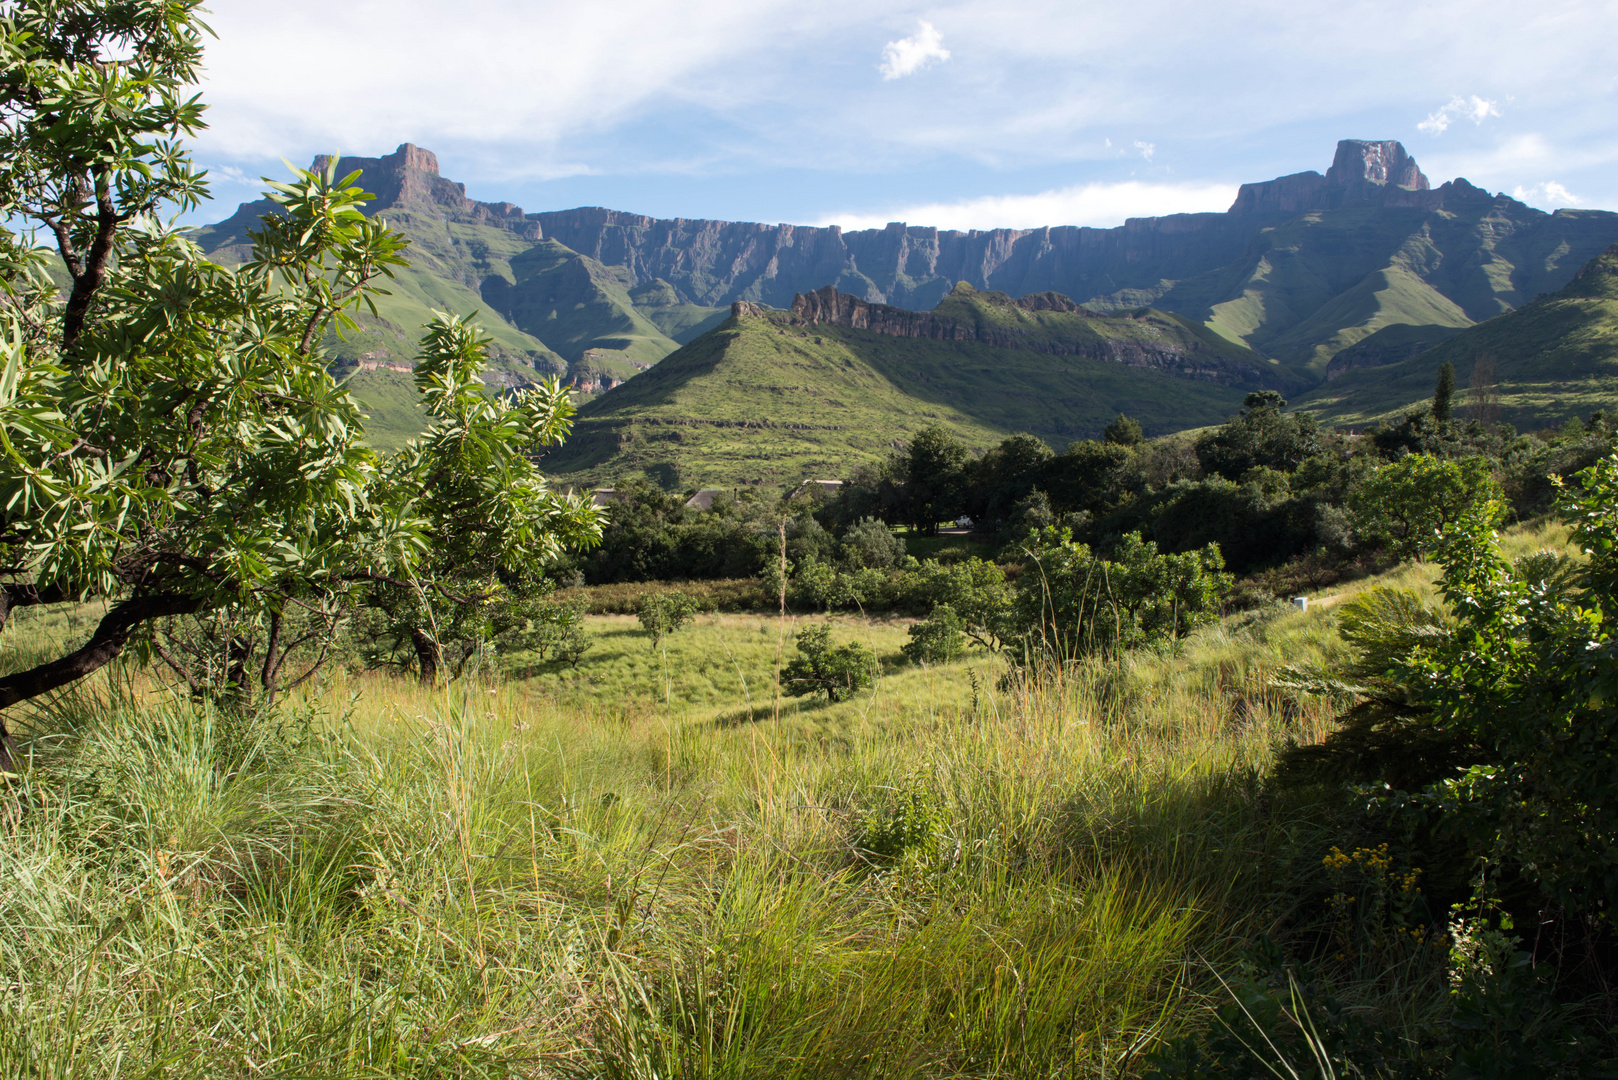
(645, 868)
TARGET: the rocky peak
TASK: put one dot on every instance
(408, 179)
(1380, 172)
(1383, 162)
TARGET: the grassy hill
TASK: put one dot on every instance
(767, 399)
(549, 310)
(1554, 359)
(1311, 288)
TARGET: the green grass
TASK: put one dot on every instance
(640, 869)
(1555, 359)
(762, 401)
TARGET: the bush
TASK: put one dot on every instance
(976, 590)
(1072, 602)
(938, 639)
(913, 828)
(663, 613)
(1407, 504)
(839, 672)
(871, 544)
(558, 631)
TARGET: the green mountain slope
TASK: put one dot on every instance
(548, 310)
(775, 396)
(1306, 277)
(1553, 359)
(1319, 284)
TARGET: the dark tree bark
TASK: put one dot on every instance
(104, 646)
(428, 655)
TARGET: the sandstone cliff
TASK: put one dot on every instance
(1060, 327)
(409, 177)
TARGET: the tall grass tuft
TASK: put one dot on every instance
(943, 877)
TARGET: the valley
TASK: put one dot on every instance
(1311, 283)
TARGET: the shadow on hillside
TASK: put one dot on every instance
(753, 714)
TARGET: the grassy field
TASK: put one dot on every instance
(640, 869)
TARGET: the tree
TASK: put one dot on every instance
(662, 613)
(489, 524)
(1408, 503)
(171, 439)
(1005, 476)
(839, 671)
(870, 543)
(935, 480)
(1261, 435)
(1483, 393)
(1072, 602)
(1443, 393)
(1124, 431)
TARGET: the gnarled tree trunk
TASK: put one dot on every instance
(429, 655)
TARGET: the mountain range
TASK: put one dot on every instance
(1306, 280)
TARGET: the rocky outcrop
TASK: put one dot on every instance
(1380, 173)
(1165, 347)
(1384, 162)
(718, 262)
(408, 179)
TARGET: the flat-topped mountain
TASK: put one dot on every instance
(1298, 271)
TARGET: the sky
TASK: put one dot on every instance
(978, 114)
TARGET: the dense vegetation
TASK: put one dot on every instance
(1287, 503)
(1089, 807)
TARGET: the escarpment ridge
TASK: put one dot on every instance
(1048, 323)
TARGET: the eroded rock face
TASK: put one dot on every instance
(1171, 353)
(408, 178)
(1384, 162)
(1380, 173)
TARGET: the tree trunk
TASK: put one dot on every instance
(428, 655)
(103, 647)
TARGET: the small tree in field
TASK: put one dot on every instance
(838, 671)
(172, 442)
(661, 614)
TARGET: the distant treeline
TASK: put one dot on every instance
(1268, 487)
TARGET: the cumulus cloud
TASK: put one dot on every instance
(1472, 108)
(909, 55)
(1146, 149)
(1549, 193)
(1100, 204)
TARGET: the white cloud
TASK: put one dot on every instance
(1472, 108)
(513, 92)
(1549, 193)
(1146, 149)
(909, 55)
(366, 75)
(1101, 205)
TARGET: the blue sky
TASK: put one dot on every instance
(967, 115)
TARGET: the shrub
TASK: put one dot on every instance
(1407, 504)
(815, 583)
(912, 828)
(871, 544)
(663, 613)
(975, 589)
(558, 631)
(839, 672)
(1071, 602)
(936, 640)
